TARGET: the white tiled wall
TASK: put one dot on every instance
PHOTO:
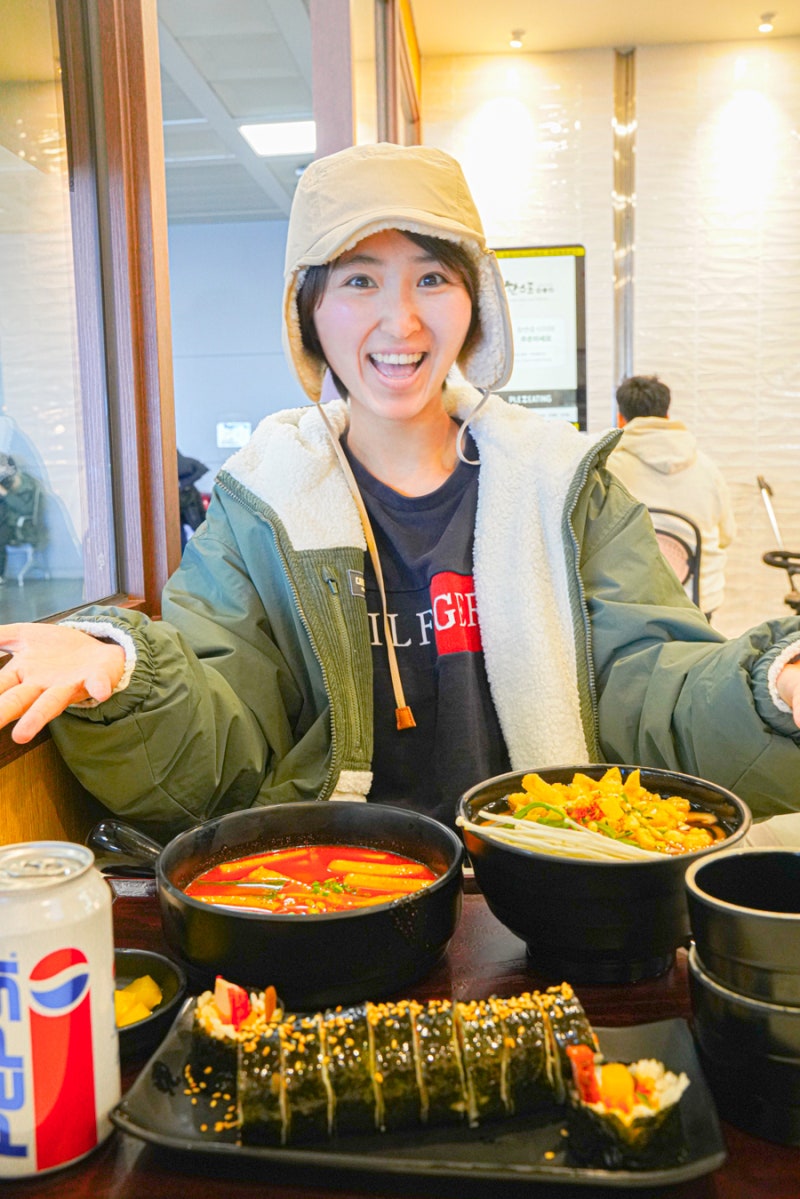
(717, 261)
(717, 279)
(533, 134)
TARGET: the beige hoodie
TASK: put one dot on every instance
(658, 461)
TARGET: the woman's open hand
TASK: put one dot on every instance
(788, 686)
(52, 667)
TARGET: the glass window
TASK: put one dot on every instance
(56, 534)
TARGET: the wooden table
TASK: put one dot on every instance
(483, 958)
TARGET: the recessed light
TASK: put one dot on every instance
(516, 39)
(275, 139)
(766, 25)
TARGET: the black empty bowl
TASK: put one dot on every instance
(141, 1038)
(595, 921)
(314, 961)
(750, 1053)
(745, 914)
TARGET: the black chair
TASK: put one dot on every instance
(29, 536)
(681, 544)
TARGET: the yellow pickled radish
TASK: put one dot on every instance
(136, 1001)
(137, 1011)
(146, 989)
(616, 1086)
(122, 1003)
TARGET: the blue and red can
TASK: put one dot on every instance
(59, 1057)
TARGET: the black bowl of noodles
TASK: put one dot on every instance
(594, 920)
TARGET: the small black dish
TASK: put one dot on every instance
(141, 1038)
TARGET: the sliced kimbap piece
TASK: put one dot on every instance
(480, 1034)
(623, 1115)
(221, 1018)
(260, 1091)
(443, 1087)
(568, 1025)
(395, 1069)
(308, 1102)
(349, 1070)
(528, 1058)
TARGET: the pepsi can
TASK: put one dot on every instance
(59, 1057)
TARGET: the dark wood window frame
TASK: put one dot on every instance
(112, 97)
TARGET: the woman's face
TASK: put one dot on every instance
(391, 323)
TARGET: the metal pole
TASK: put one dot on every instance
(624, 208)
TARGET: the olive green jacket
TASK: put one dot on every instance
(256, 687)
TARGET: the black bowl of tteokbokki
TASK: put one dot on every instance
(330, 903)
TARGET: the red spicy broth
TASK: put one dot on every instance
(310, 879)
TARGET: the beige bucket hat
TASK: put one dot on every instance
(345, 197)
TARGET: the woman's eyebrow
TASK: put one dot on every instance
(363, 259)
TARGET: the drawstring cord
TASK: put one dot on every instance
(462, 431)
(403, 714)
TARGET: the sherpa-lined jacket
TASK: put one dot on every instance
(658, 461)
(256, 687)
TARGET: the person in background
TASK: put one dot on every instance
(19, 497)
(658, 461)
(192, 508)
(405, 590)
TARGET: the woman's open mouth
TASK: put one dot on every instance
(396, 366)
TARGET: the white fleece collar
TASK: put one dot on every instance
(521, 564)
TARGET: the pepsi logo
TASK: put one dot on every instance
(59, 982)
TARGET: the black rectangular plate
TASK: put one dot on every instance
(157, 1110)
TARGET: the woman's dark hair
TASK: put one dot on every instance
(643, 395)
(450, 254)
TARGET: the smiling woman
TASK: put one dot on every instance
(401, 593)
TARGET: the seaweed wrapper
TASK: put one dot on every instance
(214, 1044)
(260, 1090)
(528, 1075)
(482, 1047)
(442, 1082)
(308, 1102)
(348, 1064)
(395, 1064)
(646, 1142)
(568, 1025)
(644, 1130)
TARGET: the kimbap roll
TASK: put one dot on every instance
(623, 1114)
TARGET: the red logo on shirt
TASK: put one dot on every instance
(455, 613)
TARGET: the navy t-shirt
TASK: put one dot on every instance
(425, 548)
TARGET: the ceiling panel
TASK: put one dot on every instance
(250, 60)
(222, 65)
(279, 98)
(216, 191)
(209, 18)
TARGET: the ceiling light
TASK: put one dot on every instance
(516, 39)
(766, 25)
(278, 138)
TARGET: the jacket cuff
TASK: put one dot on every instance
(352, 786)
(771, 708)
(789, 654)
(103, 630)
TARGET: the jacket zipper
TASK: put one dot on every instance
(331, 580)
(327, 786)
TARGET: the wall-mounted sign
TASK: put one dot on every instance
(233, 434)
(546, 295)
